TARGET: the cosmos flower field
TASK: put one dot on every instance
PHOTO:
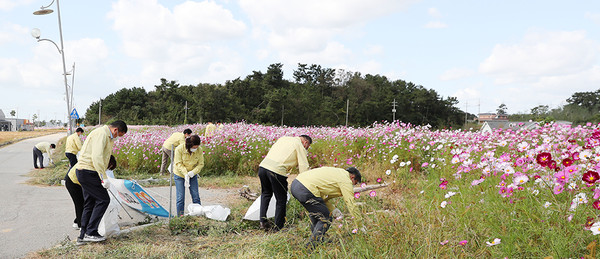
(523, 193)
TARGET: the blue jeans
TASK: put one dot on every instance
(180, 189)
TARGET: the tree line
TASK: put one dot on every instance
(316, 96)
(581, 107)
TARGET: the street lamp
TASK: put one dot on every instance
(37, 34)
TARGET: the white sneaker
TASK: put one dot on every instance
(88, 238)
(76, 227)
(80, 242)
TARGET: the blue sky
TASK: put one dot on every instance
(521, 53)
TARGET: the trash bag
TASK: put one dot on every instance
(216, 212)
(109, 225)
(253, 212)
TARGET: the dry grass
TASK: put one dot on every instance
(9, 137)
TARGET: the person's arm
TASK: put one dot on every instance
(98, 156)
(301, 153)
(200, 163)
(78, 143)
(348, 195)
(178, 166)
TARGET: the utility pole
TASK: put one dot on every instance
(394, 110)
(100, 112)
(347, 106)
(282, 110)
(466, 113)
(185, 108)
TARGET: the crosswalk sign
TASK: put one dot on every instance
(74, 114)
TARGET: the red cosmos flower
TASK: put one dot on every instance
(575, 156)
(567, 162)
(543, 158)
(536, 177)
(552, 165)
(596, 204)
(589, 222)
(591, 177)
(443, 185)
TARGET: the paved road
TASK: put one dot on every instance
(33, 218)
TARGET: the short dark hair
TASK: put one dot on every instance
(112, 163)
(307, 138)
(192, 141)
(120, 125)
(187, 131)
(52, 146)
(355, 172)
(79, 130)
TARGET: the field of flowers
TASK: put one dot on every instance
(524, 193)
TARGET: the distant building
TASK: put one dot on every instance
(14, 124)
(483, 117)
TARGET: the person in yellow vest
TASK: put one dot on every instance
(285, 154)
(76, 193)
(315, 188)
(189, 160)
(210, 130)
(73, 145)
(91, 170)
(175, 140)
(38, 153)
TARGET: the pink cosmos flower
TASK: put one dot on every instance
(357, 195)
(379, 180)
(444, 242)
(558, 189)
(373, 193)
(463, 242)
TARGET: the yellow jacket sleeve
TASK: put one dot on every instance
(348, 194)
(98, 155)
(178, 166)
(199, 154)
(302, 154)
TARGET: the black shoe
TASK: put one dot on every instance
(80, 241)
(98, 238)
(266, 226)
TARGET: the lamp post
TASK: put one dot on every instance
(36, 34)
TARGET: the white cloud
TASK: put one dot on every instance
(308, 28)
(374, 50)
(148, 27)
(434, 12)
(456, 73)
(7, 5)
(541, 54)
(435, 25)
(595, 17)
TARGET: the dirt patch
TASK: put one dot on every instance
(9, 137)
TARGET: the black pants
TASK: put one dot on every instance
(38, 156)
(95, 203)
(76, 195)
(272, 183)
(72, 159)
(317, 210)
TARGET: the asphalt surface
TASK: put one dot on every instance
(34, 218)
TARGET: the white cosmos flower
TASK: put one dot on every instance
(443, 204)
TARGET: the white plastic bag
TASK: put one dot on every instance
(216, 212)
(109, 225)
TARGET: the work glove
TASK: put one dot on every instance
(337, 214)
(106, 184)
(187, 181)
(191, 174)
